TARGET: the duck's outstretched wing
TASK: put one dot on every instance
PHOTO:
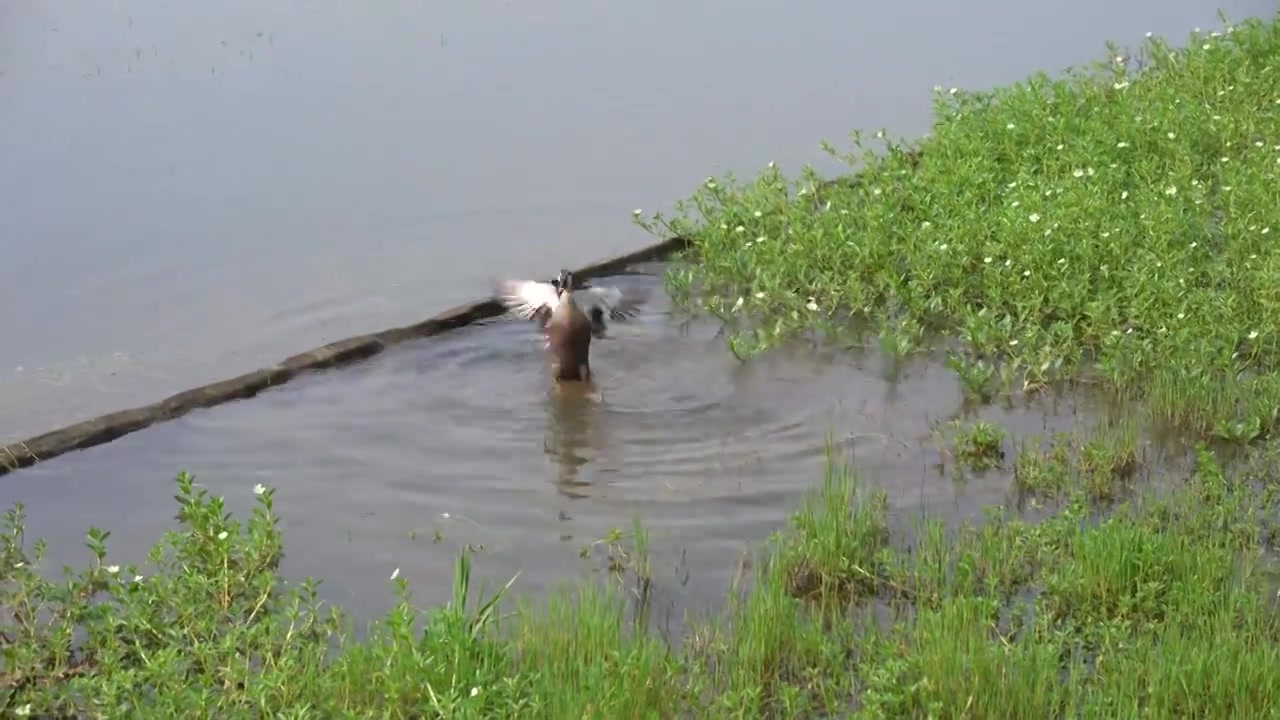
(601, 300)
(526, 299)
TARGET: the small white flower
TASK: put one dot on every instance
(113, 569)
(1122, 144)
(937, 88)
(475, 691)
(1253, 335)
(1266, 230)
(1148, 33)
(925, 224)
(1034, 217)
(943, 246)
(222, 535)
(739, 229)
(1182, 316)
(19, 565)
(1120, 85)
(1193, 245)
(772, 165)
(1172, 135)
(1078, 172)
(637, 212)
(395, 573)
(137, 578)
(812, 305)
(1124, 195)
(1171, 191)
(1205, 46)
(758, 213)
(259, 489)
(737, 306)
(986, 260)
(760, 239)
(1026, 273)
(22, 710)
(953, 91)
(1013, 343)
(760, 295)
(1016, 203)
(1009, 126)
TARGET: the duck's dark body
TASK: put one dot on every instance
(569, 332)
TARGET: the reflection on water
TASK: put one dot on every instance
(572, 434)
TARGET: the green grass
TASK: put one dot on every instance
(1114, 227)
(1165, 607)
(1112, 230)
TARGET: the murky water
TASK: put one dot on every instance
(189, 193)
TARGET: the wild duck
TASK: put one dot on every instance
(569, 315)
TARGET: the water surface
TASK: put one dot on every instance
(190, 192)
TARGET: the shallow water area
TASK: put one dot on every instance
(398, 461)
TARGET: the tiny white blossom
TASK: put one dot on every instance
(943, 246)
(1266, 230)
(475, 691)
(758, 213)
(1122, 144)
(953, 91)
(1120, 85)
(637, 212)
(739, 229)
(1171, 190)
(925, 224)
(1009, 126)
(113, 569)
(1172, 135)
(137, 578)
(1034, 217)
(22, 710)
(1148, 33)
(1253, 335)
(812, 305)
(772, 165)
(760, 295)
(737, 306)
(1026, 273)
(1182, 316)
(986, 260)
(1013, 343)
(259, 489)
(19, 565)
(395, 573)
(222, 535)
(1124, 194)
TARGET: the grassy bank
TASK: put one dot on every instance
(1112, 230)
(1165, 608)
(1114, 227)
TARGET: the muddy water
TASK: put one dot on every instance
(186, 194)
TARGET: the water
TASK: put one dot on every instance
(187, 194)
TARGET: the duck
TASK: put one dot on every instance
(569, 315)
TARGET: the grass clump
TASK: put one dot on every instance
(1114, 226)
(1165, 607)
(980, 446)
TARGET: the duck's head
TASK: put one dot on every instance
(564, 282)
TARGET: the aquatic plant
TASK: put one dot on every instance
(1114, 226)
(1167, 604)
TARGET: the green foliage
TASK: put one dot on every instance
(1115, 226)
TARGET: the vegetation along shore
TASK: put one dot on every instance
(1110, 233)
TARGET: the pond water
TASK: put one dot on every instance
(191, 192)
